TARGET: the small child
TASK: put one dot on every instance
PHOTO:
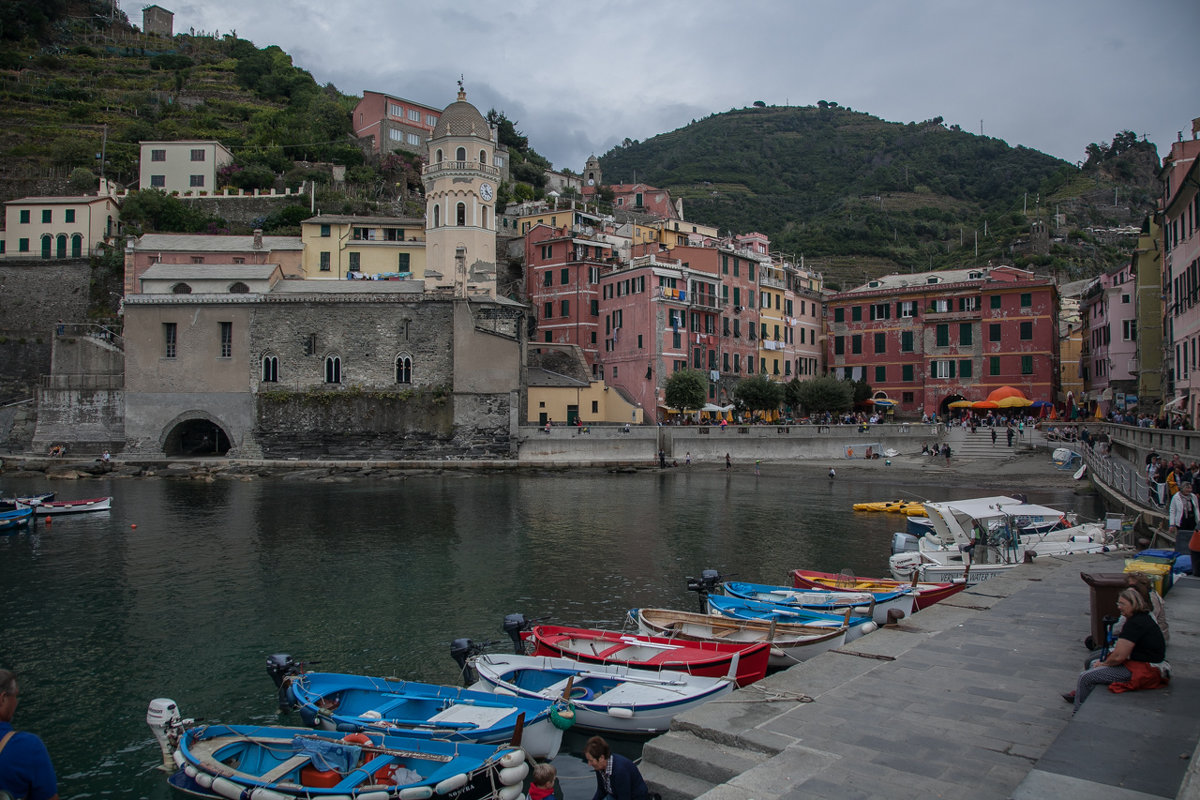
(542, 782)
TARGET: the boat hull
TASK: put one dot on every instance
(745, 662)
(605, 698)
(339, 702)
(790, 643)
(235, 761)
(11, 520)
(56, 507)
(740, 608)
(925, 594)
(873, 604)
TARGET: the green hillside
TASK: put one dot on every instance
(862, 196)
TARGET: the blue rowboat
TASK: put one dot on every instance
(358, 703)
(740, 608)
(11, 520)
(268, 762)
(875, 605)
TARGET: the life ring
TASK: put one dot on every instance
(582, 693)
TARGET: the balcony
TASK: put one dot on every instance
(451, 167)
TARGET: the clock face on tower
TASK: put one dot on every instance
(485, 192)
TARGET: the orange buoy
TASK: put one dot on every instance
(134, 525)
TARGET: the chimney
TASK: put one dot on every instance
(258, 238)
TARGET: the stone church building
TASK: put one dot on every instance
(238, 360)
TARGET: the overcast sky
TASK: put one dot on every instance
(579, 77)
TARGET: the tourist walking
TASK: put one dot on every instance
(1010, 434)
(728, 463)
(1182, 516)
(993, 437)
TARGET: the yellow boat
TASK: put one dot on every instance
(909, 507)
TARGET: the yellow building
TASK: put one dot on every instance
(560, 391)
(58, 227)
(338, 247)
(776, 347)
(677, 232)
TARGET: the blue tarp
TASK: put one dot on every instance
(326, 755)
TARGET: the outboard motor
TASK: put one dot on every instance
(462, 651)
(282, 668)
(163, 718)
(514, 626)
(704, 586)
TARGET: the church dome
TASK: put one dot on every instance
(462, 119)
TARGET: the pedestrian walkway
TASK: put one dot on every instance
(965, 444)
(960, 700)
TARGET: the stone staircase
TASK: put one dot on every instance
(680, 765)
(964, 444)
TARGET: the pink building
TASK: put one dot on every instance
(562, 281)
(659, 317)
(1180, 207)
(196, 248)
(644, 199)
(395, 123)
(1109, 367)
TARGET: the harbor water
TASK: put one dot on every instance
(185, 587)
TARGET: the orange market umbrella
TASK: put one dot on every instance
(1005, 392)
(985, 404)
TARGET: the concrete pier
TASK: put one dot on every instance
(960, 700)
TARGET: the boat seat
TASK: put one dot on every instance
(293, 763)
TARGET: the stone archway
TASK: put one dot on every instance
(195, 434)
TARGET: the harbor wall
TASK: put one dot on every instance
(593, 444)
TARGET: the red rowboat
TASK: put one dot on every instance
(746, 662)
(925, 594)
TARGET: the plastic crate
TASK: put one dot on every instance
(1160, 574)
(1158, 556)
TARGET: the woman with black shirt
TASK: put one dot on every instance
(1140, 640)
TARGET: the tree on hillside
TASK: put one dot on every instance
(818, 395)
(759, 393)
(686, 389)
(155, 210)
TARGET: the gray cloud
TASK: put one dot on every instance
(578, 78)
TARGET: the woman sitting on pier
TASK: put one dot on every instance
(1137, 655)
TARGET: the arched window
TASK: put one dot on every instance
(76, 246)
(462, 214)
(460, 154)
(483, 156)
(270, 369)
(333, 369)
(239, 288)
(403, 369)
(61, 250)
(437, 215)
(181, 288)
(47, 245)
(438, 156)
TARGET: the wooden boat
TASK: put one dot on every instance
(789, 643)
(745, 662)
(11, 520)
(924, 594)
(871, 604)
(11, 503)
(603, 697)
(333, 701)
(267, 762)
(740, 608)
(71, 506)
